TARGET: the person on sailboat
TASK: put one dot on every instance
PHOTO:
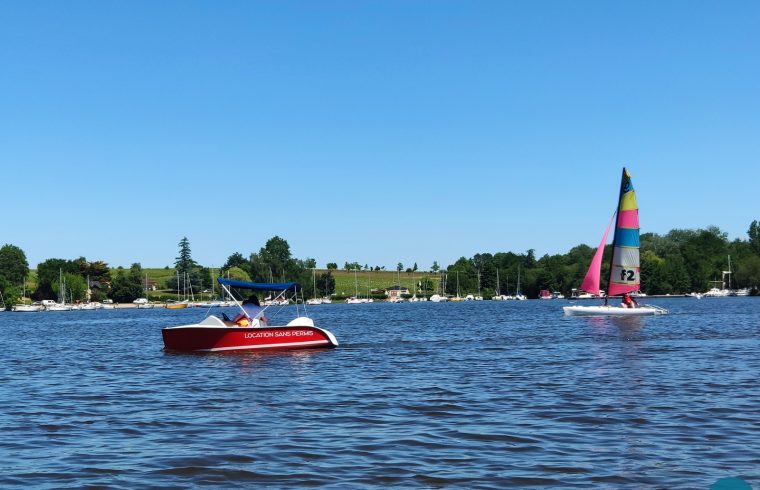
(252, 311)
(628, 301)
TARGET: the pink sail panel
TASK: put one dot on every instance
(628, 219)
(590, 283)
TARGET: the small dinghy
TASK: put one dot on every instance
(251, 332)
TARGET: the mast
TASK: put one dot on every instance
(498, 293)
(517, 293)
(728, 273)
(314, 280)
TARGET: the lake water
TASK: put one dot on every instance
(475, 395)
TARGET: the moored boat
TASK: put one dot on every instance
(24, 308)
(215, 334)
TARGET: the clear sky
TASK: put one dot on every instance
(370, 131)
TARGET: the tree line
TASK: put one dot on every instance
(678, 262)
(275, 263)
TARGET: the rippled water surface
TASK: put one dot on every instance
(476, 395)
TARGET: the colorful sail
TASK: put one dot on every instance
(591, 281)
(625, 270)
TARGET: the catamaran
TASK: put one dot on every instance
(625, 270)
(215, 334)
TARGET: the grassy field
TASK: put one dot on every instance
(345, 285)
(344, 281)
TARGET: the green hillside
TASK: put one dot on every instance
(345, 284)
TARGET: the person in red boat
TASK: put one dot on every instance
(628, 301)
(253, 311)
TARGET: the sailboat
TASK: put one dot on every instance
(625, 270)
(51, 305)
(23, 307)
(518, 294)
(178, 304)
(314, 300)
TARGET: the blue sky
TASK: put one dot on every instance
(372, 131)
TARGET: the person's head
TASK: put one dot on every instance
(252, 300)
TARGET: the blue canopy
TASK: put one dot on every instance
(261, 286)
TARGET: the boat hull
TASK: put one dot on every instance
(208, 338)
(26, 308)
(608, 310)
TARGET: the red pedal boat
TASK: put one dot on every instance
(215, 334)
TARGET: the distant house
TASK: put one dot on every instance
(151, 284)
(394, 292)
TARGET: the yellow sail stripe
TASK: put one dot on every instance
(628, 201)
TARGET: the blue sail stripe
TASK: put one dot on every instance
(627, 237)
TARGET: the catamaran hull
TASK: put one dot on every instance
(613, 311)
(202, 338)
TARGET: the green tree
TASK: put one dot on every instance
(462, 274)
(754, 236)
(238, 274)
(332, 266)
(399, 267)
(184, 261)
(235, 260)
(48, 272)
(676, 275)
(653, 275)
(349, 266)
(13, 264)
(326, 284)
(75, 288)
(127, 285)
(11, 293)
(99, 271)
(748, 272)
(276, 255)
(435, 267)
